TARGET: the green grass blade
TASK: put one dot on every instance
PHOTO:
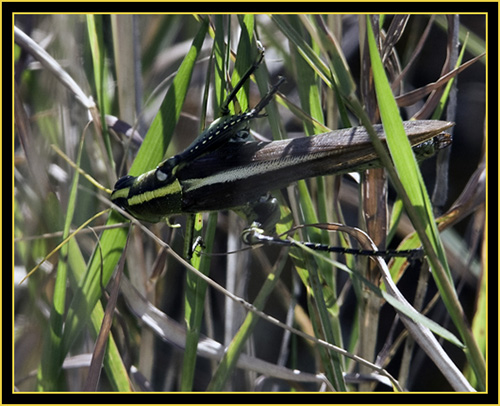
(233, 351)
(151, 152)
(305, 49)
(95, 33)
(418, 204)
(116, 372)
(480, 327)
(245, 57)
(444, 98)
(402, 307)
(48, 373)
(195, 296)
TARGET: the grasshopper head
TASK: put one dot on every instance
(148, 197)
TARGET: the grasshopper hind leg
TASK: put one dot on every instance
(264, 214)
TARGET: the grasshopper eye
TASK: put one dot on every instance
(161, 176)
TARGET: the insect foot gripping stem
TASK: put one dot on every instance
(262, 214)
(254, 235)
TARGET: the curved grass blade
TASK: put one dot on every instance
(418, 203)
(51, 356)
(151, 152)
(95, 33)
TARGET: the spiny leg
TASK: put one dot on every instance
(225, 106)
(255, 234)
(215, 136)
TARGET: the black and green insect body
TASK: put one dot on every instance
(232, 174)
(159, 193)
(215, 174)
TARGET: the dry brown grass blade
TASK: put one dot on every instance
(412, 97)
(420, 45)
(92, 382)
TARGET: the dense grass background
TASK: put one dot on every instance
(154, 72)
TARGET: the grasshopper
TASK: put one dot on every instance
(222, 170)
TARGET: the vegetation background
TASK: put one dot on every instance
(131, 65)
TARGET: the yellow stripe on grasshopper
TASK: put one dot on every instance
(170, 189)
